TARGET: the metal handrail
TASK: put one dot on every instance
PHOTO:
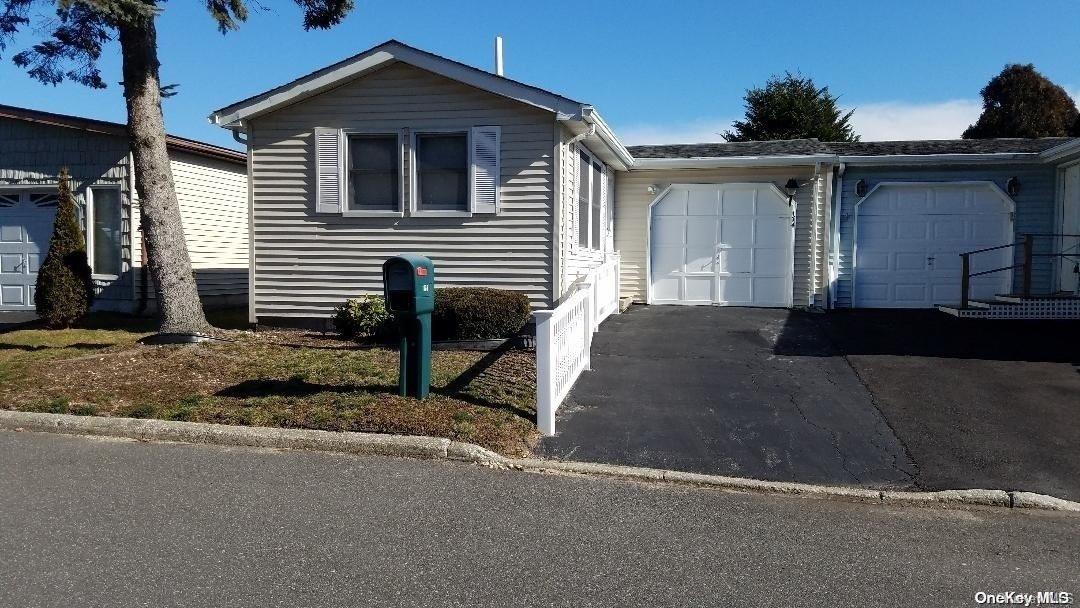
(1028, 243)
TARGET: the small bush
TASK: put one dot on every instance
(64, 287)
(478, 313)
(363, 317)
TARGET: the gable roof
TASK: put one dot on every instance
(790, 147)
(378, 56)
(175, 143)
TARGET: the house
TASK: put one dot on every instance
(211, 186)
(508, 185)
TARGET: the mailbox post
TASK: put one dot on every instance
(409, 286)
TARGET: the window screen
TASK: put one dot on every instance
(374, 173)
(583, 199)
(106, 254)
(442, 172)
(597, 198)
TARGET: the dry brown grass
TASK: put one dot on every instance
(281, 378)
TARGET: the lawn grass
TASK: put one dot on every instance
(267, 379)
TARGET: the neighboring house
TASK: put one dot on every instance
(211, 186)
(507, 185)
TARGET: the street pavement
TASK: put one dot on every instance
(103, 522)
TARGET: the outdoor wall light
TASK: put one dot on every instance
(1012, 186)
(652, 189)
(792, 187)
(860, 188)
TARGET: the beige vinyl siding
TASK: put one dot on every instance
(632, 201)
(213, 200)
(308, 263)
(577, 261)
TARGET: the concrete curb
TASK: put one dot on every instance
(444, 449)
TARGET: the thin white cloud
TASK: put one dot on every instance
(891, 120)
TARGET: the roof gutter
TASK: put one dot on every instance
(936, 159)
(732, 161)
(592, 118)
(1058, 152)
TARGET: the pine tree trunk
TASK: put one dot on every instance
(179, 307)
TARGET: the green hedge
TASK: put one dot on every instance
(461, 313)
(478, 313)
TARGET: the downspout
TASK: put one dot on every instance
(580, 136)
(834, 245)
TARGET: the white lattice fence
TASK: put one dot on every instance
(564, 338)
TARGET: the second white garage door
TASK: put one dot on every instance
(727, 244)
(909, 238)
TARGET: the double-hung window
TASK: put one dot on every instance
(373, 165)
(442, 172)
(590, 202)
(104, 225)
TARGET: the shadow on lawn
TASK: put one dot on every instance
(39, 347)
(456, 389)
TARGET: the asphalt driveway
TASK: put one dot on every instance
(873, 398)
(704, 389)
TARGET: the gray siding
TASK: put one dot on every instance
(632, 201)
(33, 153)
(1034, 210)
(308, 263)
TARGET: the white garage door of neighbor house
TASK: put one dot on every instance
(727, 244)
(26, 220)
(909, 238)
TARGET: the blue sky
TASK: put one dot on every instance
(659, 71)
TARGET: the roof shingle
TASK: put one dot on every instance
(802, 147)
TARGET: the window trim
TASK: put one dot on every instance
(89, 215)
(604, 202)
(414, 173)
(346, 199)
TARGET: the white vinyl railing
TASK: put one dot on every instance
(564, 338)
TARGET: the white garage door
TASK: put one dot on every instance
(26, 220)
(728, 244)
(909, 239)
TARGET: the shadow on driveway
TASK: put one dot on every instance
(872, 398)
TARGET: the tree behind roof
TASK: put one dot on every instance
(792, 107)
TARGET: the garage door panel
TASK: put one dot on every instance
(917, 230)
(674, 203)
(735, 290)
(702, 202)
(736, 261)
(666, 289)
(909, 239)
(770, 290)
(717, 246)
(33, 262)
(698, 289)
(700, 259)
(668, 231)
(701, 232)
(909, 261)
(11, 234)
(666, 260)
(772, 230)
(768, 261)
(737, 201)
(874, 261)
(910, 293)
(12, 295)
(737, 232)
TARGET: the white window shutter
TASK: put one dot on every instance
(328, 170)
(485, 169)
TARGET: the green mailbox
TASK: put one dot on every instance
(409, 288)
